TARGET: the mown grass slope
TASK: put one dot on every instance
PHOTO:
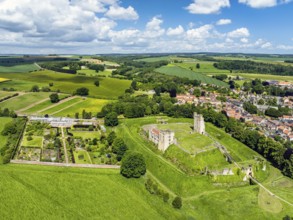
(23, 68)
(182, 72)
(35, 192)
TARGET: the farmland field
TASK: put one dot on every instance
(5, 94)
(71, 193)
(182, 72)
(3, 80)
(43, 105)
(89, 104)
(23, 101)
(67, 83)
(60, 106)
(23, 68)
(205, 67)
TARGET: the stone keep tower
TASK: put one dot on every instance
(198, 125)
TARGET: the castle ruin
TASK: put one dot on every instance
(198, 125)
(162, 138)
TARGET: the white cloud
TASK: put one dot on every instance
(263, 3)
(153, 28)
(240, 32)
(207, 6)
(244, 40)
(224, 22)
(200, 33)
(120, 13)
(175, 31)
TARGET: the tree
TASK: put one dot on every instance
(197, 92)
(134, 85)
(111, 137)
(166, 197)
(82, 91)
(148, 110)
(197, 66)
(97, 83)
(35, 88)
(133, 165)
(177, 202)
(119, 148)
(111, 119)
(54, 98)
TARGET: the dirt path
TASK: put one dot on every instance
(32, 105)
(52, 106)
(64, 145)
(65, 165)
(67, 107)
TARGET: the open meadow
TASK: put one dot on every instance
(182, 72)
(38, 192)
(23, 68)
(22, 101)
(66, 83)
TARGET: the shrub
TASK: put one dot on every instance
(177, 202)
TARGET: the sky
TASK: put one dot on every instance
(145, 26)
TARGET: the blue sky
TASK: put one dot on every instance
(137, 26)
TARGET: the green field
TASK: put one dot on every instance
(22, 101)
(5, 94)
(18, 68)
(43, 105)
(35, 142)
(89, 104)
(60, 106)
(205, 67)
(86, 134)
(38, 192)
(182, 72)
(109, 88)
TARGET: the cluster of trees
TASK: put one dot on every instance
(221, 77)
(96, 67)
(133, 165)
(117, 145)
(250, 108)
(83, 91)
(13, 131)
(280, 155)
(54, 98)
(275, 113)
(254, 67)
(58, 66)
(7, 113)
(259, 87)
(135, 107)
